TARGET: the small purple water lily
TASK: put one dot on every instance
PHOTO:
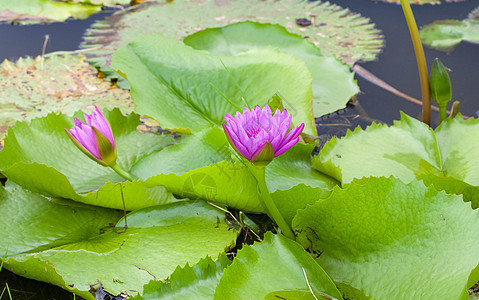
(95, 138)
(260, 136)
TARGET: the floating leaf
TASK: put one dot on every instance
(34, 11)
(409, 150)
(101, 2)
(333, 83)
(42, 158)
(231, 184)
(445, 35)
(83, 250)
(170, 80)
(196, 282)
(335, 30)
(275, 266)
(387, 240)
(33, 88)
(420, 2)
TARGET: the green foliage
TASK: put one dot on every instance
(350, 39)
(333, 83)
(275, 266)
(32, 88)
(170, 80)
(389, 240)
(34, 11)
(445, 35)
(196, 282)
(409, 150)
(77, 246)
(231, 184)
(42, 158)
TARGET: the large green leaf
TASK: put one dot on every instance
(196, 282)
(445, 35)
(231, 184)
(195, 151)
(274, 267)
(170, 80)
(34, 11)
(76, 247)
(333, 83)
(409, 150)
(389, 240)
(42, 158)
(31, 88)
(334, 29)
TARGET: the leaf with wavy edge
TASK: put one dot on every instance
(232, 184)
(84, 247)
(196, 282)
(380, 232)
(408, 150)
(170, 80)
(335, 30)
(42, 158)
(275, 266)
(333, 82)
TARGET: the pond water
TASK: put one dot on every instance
(396, 66)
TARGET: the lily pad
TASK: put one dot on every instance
(31, 88)
(231, 183)
(272, 268)
(335, 30)
(84, 250)
(420, 2)
(409, 150)
(170, 80)
(34, 11)
(386, 240)
(42, 158)
(196, 282)
(445, 35)
(333, 83)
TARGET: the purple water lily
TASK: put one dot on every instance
(260, 136)
(94, 138)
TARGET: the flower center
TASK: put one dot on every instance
(252, 132)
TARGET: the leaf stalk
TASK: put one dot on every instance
(421, 61)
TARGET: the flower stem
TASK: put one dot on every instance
(442, 112)
(421, 62)
(123, 173)
(273, 212)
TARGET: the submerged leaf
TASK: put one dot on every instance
(385, 240)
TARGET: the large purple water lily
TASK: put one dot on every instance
(94, 138)
(260, 136)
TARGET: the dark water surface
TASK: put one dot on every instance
(396, 65)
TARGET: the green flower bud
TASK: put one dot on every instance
(440, 84)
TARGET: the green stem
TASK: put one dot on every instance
(421, 62)
(442, 112)
(273, 212)
(123, 173)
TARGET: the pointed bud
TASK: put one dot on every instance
(440, 84)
